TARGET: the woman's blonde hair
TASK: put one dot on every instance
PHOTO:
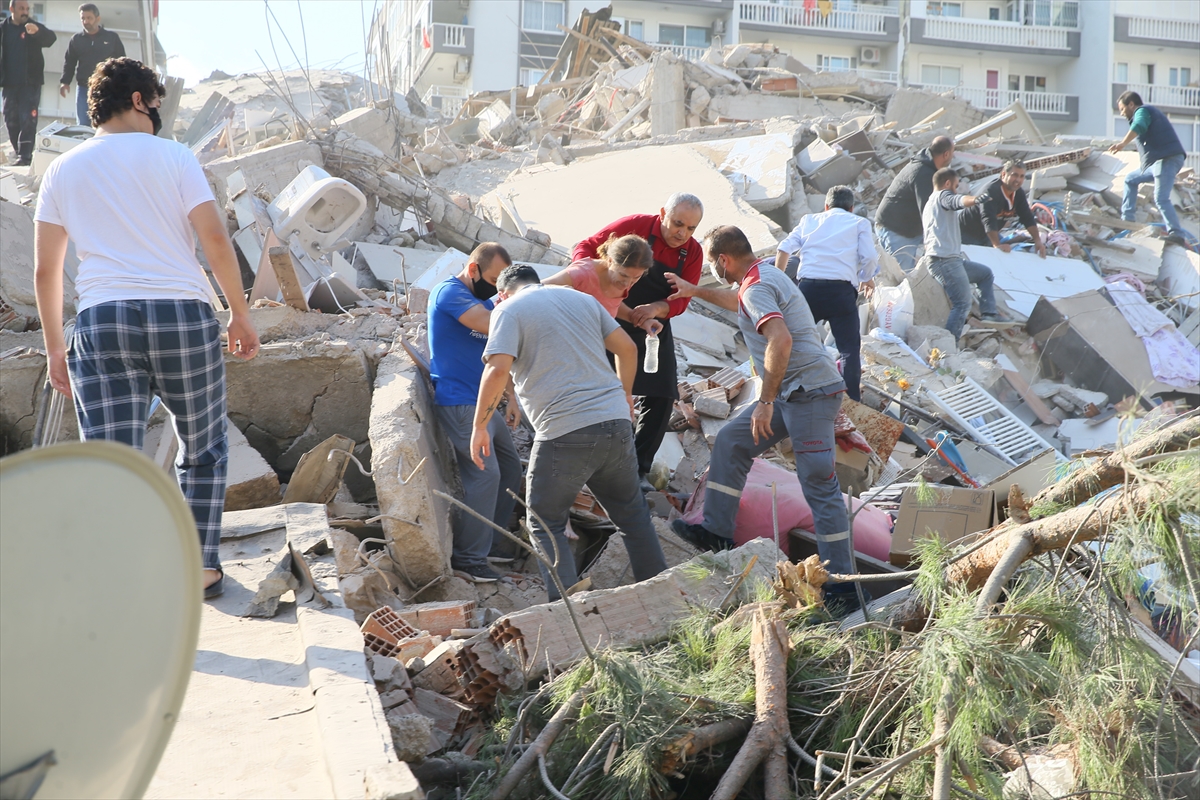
(630, 251)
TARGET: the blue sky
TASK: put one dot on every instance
(202, 35)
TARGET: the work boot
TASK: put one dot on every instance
(841, 600)
(995, 316)
(700, 537)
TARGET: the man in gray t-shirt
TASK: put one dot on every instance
(553, 342)
(800, 397)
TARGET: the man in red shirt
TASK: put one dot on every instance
(669, 234)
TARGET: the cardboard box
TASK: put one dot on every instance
(952, 515)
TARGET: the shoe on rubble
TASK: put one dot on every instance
(477, 573)
(700, 537)
(995, 316)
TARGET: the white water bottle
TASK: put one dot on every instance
(650, 364)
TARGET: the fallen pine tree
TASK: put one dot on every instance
(1016, 664)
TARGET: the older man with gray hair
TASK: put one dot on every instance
(669, 233)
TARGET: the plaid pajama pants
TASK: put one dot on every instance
(125, 351)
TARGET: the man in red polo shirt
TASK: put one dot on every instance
(675, 252)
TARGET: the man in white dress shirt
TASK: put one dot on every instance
(837, 259)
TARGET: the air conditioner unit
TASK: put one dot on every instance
(869, 55)
(718, 27)
(462, 67)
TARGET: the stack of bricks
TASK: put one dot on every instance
(484, 670)
(440, 674)
(439, 619)
(387, 634)
(731, 379)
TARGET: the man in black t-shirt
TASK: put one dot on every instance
(1001, 201)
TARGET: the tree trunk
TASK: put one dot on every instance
(541, 744)
(769, 646)
(700, 739)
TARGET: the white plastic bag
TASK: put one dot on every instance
(894, 308)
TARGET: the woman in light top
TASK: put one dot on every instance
(621, 263)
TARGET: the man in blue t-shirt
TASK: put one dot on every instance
(460, 311)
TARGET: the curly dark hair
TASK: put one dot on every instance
(111, 88)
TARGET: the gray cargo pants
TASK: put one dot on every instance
(601, 456)
(808, 417)
(485, 491)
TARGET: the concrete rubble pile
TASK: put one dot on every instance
(337, 409)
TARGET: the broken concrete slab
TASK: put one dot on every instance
(265, 171)
(538, 193)
(410, 463)
(612, 568)
(296, 394)
(1025, 277)
(16, 254)
(251, 483)
(758, 166)
(666, 94)
(318, 474)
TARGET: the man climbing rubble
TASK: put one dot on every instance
(800, 397)
(837, 257)
(552, 341)
(1001, 202)
(131, 201)
(1162, 158)
(943, 248)
(676, 252)
(898, 218)
(460, 312)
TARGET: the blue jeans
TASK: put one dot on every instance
(807, 416)
(836, 302)
(602, 457)
(956, 276)
(81, 108)
(485, 490)
(903, 248)
(1163, 173)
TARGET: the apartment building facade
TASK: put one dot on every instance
(1066, 61)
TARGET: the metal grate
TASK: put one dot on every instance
(988, 422)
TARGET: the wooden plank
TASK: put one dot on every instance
(1106, 221)
(1035, 403)
(285, 272)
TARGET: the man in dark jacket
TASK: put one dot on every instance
(1001, 201)
(1162, 158)
(21, 68)
(898, 219)
(87, 49)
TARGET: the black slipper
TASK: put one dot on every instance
(216, 588)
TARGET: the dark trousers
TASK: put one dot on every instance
(600, 456)
(654, 414)
(20, 116)
(836, 302)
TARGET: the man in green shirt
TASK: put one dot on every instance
(1162, 158)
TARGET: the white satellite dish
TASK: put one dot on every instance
(100, 591)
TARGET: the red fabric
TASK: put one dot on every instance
(753, 276)
(425, 39)
(872, 527)
(645, 225)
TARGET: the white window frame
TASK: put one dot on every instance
(526, 4)
(641, 34)
(1117, 67)
(529, 76)
(1027, 79)
(1175, 76)
(937, 8)
(939, 68)
(685, 29)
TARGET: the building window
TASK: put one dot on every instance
(684, 35)
(543, 15)
(935, 75)
(1180, 76)
(1014, 83)
(941, 8)
(1147, 73)
(836, 63)
(636, 29)
(1035, 83)
(994, 14)
(1121, 72)
(530, 77)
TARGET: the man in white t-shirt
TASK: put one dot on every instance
(130, 202)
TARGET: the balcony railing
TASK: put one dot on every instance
(883, 76)
(1175, 96)
(455, 35)
(683, 51)
(1001, 34)
(996, 99)
(1176, 30)
(856, 20)
(448, 100)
